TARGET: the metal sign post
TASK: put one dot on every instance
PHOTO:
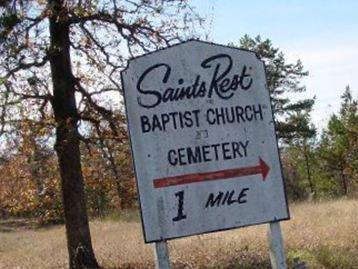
(161, 253)
(277, 254)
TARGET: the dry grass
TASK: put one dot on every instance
(325, 235)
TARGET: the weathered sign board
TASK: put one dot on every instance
(203, 140)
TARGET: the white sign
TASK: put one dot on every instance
(203, 140)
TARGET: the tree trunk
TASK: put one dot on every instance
(108, 155)
(344, 180)
(308, 171)
(67, 142)
(118, 181)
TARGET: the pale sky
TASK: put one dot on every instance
(322, 34)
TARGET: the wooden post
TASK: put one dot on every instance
(161, 255)
(277, 253)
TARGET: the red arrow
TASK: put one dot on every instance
(262, 169)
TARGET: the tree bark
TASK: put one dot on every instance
(79, 244)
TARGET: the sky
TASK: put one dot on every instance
(322, 34)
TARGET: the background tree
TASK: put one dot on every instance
(299, 157)
(339, 146)
(63, 58)
(29, 187)
(283, 80)
(29, 181)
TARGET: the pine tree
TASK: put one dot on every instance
(282, 79)
(339, 146)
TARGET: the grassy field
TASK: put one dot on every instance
(323, 235)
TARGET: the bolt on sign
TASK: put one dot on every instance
(203, 140)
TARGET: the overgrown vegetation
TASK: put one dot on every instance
(322, 235)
